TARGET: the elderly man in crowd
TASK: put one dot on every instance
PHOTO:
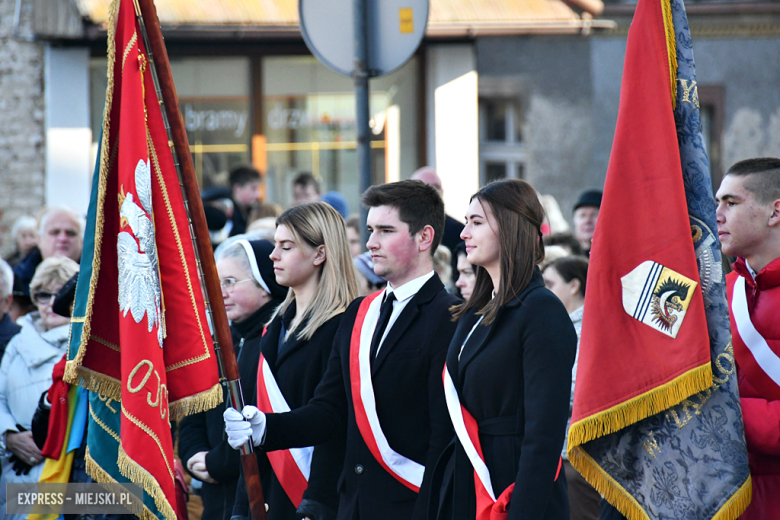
(586, 213)
(61, 234)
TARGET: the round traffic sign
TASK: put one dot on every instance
(395, 29)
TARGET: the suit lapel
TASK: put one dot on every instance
(405, 320)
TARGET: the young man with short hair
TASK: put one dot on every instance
(305, 189)
(748, 218)
(245, 184)
(390, 347)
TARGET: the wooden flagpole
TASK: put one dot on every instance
(225, 352)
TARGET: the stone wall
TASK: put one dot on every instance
(570, 88)
(21, 121)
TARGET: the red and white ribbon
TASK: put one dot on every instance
(406, 471)
(292, 467)
(762, 353)
(488, 506)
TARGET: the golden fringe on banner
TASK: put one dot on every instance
(100, 476)
(195, 403)
(640, 407)
(93, 381)
(70, 370)
(671, 48)
(616, 495)
(138, 475)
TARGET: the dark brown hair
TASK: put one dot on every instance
(418, 205)
(572, 268)
(519, 215)
(764, 180)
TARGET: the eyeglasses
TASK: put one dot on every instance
(43, 297)
(228, 284)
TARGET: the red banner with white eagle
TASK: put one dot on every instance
(140, 334)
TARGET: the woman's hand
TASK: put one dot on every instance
(197, 466)
(23, 446)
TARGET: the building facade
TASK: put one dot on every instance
(493, 92)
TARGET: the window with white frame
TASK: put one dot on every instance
(501, 147)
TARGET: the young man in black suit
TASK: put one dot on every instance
(391, 348)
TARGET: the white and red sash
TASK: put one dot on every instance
(488, 506)
(406, 471)
(292, 467)
(754, 355)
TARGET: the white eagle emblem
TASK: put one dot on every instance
(139, 280)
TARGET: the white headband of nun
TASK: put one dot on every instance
(250, 253)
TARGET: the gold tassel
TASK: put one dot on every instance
(738, 502)
(616, 495)
(671, 48)
(196, 403)
(101, 476)
(93, 381)
(138, 475)
(640, 407)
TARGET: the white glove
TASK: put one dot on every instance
(240, 427)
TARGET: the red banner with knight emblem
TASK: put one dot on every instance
(140, 334)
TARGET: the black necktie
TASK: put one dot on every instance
(381, 324)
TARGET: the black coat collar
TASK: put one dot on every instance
(482, 333)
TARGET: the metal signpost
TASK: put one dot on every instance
(382, 36)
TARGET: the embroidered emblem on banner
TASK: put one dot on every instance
(139, 281)
(657, 296)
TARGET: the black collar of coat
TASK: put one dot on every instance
(482, 333)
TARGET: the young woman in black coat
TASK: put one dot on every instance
(311, 256)
(251, 296)
(508, 373)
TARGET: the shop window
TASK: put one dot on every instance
(216, 112)
(309, 126)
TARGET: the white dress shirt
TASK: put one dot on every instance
(403, 295)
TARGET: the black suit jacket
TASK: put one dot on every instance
(298, 369)
(409, 401)
(514, 377)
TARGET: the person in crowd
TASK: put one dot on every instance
(264, 210)
(748, 217)
(368, 281)
(305, 189)
(61, 233)
(508, 368)
(586, 213)
(311, 257)
(566, 241)
(391, 346)
(442, 259)
(8, 328)
(467, 276)
(25, 235)
(244, 192)
(26, 371)
(353, 234)
(566, 278)
(452, 227)
(251, 296)
(337, 202)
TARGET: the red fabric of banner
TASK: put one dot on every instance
(643, 217)
(145, 340)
